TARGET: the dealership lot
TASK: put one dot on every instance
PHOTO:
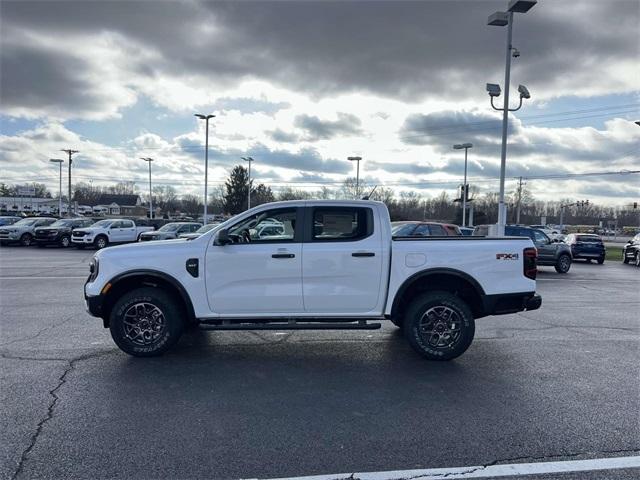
(558, 383)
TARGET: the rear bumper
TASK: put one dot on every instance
(503, 304)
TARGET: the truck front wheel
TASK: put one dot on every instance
(439, 325)
(100, 242)
(146, 322)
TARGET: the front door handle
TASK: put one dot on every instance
(363, 254)
(282, 255)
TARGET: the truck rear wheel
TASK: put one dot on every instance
(563, 264)
(439, 325)
(146, 322)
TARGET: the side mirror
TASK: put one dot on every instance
(222, 237)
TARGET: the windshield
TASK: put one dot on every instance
(61, 223)
(402, 229)
(25, 222)
(102, 223)
(169, 227)
(206, 228)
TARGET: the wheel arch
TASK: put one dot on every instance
(146, 278)
(448, 279)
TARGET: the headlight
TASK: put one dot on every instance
(94, 265)
(53, 232)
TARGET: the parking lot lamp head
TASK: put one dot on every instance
(502, 19)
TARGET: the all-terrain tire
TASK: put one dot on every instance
(146, 322)
(439, 325)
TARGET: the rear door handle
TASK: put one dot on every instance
(363, 254)
(283, 255)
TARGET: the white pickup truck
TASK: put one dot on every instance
(334, 265)
(104, 232)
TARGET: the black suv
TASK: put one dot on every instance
(631, 251)
(550, 252)
(59, 232)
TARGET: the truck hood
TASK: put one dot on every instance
(89, 229)
(146, 249)
(61, 229)
(157, 234)
(9, 228)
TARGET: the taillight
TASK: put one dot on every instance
(530, 262)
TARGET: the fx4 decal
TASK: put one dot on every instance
(507, 256)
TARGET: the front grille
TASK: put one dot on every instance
(4, 235)
(79, 234)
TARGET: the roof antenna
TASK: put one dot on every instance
(367, 196)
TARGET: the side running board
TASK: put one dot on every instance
(286, 325)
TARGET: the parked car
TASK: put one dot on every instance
(105, 232)
(551, 232)
(352, 268)
(631, 251)
(59, 232)
(424, 229)
(586, 246)
(170, 231)
(23, 231)
(8, 220)
(550, 252)
(200, 231)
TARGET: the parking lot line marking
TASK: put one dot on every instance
(33, 277)
(507, 470)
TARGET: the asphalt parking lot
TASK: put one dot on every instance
(559, 383)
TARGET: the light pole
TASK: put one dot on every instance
(206, 118)
(70, 153)
(249, 159)
(466, 146)
(59, 161)
(357, 160)
(149, 160)
(501, 19)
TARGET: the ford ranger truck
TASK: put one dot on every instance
(105, 232)
(333, 265)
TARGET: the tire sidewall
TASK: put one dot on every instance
(559, 265)
(173, 329)
(417, 309)
(26, 240)
(97, 242)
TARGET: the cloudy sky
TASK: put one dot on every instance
(300, 86)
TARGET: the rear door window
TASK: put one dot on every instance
(437, 230)
(422, 230)
(332, 224)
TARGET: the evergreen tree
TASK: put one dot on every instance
(236, 190)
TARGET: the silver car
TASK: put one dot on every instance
(23, 231)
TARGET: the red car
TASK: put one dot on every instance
(424, 229)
